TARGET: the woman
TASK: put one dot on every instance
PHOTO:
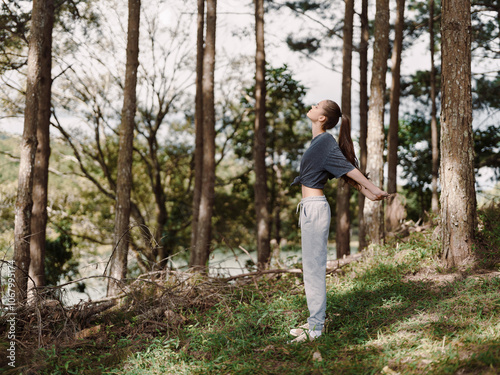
(323, 160)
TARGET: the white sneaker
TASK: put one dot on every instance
(301, 329)
(306, 335)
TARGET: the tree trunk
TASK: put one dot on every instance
(24, 201)
(162, 214)
(200, 252)
(259, 146)
(41, 167)
(124, 169)
(375, 142)
(363, 114)
(342, 236)
(434, 129)
(279, 197)
(198, 123)
(458, 196)
(392, 222)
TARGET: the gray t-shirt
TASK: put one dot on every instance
(322, 161)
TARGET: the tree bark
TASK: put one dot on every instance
(199, 256)
(198, 123)
(458, 196)
(375, 141)
(41, 167)
(259, 146)
(434, 128)
(24, 201)
(363, 114)
(161, 204)
(278, 200)
(392, 142)
(343, 217)
(124, 170)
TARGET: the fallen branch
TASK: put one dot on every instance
(339, 264)
(343, 262)
(263, 272)
(91, 310)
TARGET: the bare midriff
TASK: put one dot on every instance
(311, 192)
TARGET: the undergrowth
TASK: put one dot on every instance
(395, 311)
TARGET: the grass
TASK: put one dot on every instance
(396, 311)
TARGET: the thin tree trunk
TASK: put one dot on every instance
(162, 214)
(41, 168)
(434, 128)
(375, 141)
(343, 217)
(278, 202)
(276, 195)
(124, 174)
(198, 121)
(199, 258)
(392, 142)
(24, 201)
(259, 147)
(458, 196)
(363, 114)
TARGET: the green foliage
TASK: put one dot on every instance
(59, 258)
(415, 157)
(416, 22)
(486, 147)
(418, 86)
(309, 44)
(13, 30)
(312, 40)
(64, 197)
(284, 110)
(486, 92)
(304, 5)
(485, 28)
(488, 236)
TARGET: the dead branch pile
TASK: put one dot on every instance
(155, 301)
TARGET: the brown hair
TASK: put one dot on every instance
(333, 114)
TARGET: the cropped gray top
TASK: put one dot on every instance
(322, 161)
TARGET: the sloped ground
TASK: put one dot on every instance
(394, 311)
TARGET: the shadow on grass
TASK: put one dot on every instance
(379, 320)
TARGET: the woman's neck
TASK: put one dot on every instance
(317, 129)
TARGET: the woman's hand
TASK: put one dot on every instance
(368, 189)
(374, 196)
(379, 195)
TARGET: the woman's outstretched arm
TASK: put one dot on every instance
(367, 188)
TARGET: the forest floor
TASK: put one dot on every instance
(394, 310)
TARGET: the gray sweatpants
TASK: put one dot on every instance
(315, 216)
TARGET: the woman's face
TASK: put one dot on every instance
(316, 111)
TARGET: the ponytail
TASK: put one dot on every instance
(347, 147)
(345, 141)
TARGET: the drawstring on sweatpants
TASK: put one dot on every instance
(300, 207)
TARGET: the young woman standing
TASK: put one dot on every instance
(323, 160)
